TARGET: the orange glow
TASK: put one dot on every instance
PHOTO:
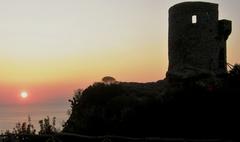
(53, 52)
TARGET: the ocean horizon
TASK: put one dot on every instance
(11, 114)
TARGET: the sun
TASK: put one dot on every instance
(24, 94)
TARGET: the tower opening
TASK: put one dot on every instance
(194, 19)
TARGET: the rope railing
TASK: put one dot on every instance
(62, 137)
(230, 66)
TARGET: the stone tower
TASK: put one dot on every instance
(197, 40)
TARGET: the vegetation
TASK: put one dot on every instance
(24, 128)
(46, 127)
(25, 131)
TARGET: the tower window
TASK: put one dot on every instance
(194, 19)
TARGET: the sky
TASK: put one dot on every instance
(50, 48)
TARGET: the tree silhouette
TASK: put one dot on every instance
(46, 127)
(24, 128)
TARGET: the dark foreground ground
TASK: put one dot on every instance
(199, 109)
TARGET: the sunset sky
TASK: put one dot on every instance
(49, 48)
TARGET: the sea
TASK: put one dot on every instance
(10, 115)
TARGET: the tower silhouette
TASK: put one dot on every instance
(197, 40)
